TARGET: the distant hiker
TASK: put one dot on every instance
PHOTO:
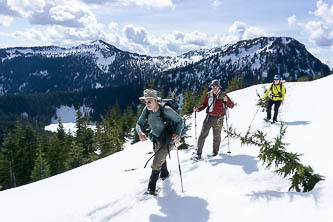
(160, 134)
(276, 97)
(216, 102)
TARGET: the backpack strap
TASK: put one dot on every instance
(277, 90)
(162, 105)
(214, 100)
(161, 108)
(162, 116)
(221, 97)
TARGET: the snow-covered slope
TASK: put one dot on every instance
(232, 187)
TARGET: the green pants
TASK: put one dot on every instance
(161, 152)
(215, 122)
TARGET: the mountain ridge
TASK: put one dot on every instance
(100, 64)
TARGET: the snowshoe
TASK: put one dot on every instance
(196, 157)
(212, 155)
(154, 193)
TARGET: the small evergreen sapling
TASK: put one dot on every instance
(260, 103)
(274, 153)
(41, 168)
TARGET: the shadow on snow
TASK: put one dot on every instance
(270, 195)
(296, 123)
(180, 208)
(248, 163)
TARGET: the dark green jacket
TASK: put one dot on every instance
(156, 123)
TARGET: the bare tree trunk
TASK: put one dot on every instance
(12, 172)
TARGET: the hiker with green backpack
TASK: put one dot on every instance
(166, 127)
(277, 92)
(216, 103)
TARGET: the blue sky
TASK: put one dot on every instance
(166, 27)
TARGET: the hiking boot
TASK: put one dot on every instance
(152, 181)
(165, 175)
(274, 121)
(164, 171)
(212, 154)
(198, 156)
(266, 119)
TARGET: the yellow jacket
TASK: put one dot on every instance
(277, 92)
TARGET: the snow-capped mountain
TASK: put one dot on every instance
(99, 64)
(256, 60)
(235, 187)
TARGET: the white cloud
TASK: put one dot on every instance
(137, 35)
(70, 13)
(97, 2)
(292, 20)
(60, 35)
(26, 7)
(31, 35)
(147, 3)
(62, 13)
(216, 3)
(113, 26)
(5, 9)
(179, 42)
(237, 28)
(196, 38)
(324, 11)
(239, 31)
(150, 3)
(179, 35)
(134, 39)
(319, 33)
(253, 32)
(5, 20)
(235, 32)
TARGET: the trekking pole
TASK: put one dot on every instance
(228, 129)
(195, 126)
(254, 117)
(180, 171)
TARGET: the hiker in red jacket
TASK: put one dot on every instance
(216, 102)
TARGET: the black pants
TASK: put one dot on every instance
(276, 109)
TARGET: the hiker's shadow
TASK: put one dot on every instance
(248, 163)
(180, 208)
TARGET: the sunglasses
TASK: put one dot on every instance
(148, 102)
(214, 87)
